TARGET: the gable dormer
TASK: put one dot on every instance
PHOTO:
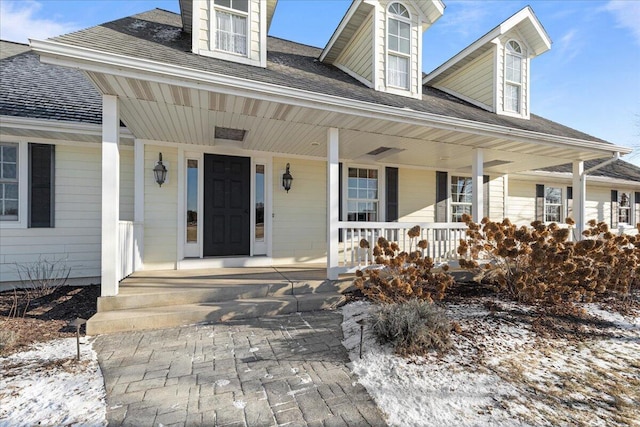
(494, 71)
(233, 30)
(379, 43)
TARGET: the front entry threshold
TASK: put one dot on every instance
(225, 262)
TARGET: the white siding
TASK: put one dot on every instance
(300, 216)
(417, 195)
(160, 210)
(496, 198)
(522, 202)
(474, 80)
(76, 235)
(358, 55)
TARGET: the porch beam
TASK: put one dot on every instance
(110, 195)
(579, 196)
(477, 171)
(333, 202)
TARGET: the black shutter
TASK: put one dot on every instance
(41, 185)
(441, 196)
(636, 202)
(485, 198)
(614, 209)
(570, 202)
(391, 179)
(539, 202)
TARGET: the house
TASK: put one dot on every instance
(160, 141)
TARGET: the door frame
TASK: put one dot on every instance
(258, 249)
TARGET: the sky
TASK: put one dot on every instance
(589, 80)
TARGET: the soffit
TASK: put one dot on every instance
(164, 112)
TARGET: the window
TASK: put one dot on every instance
(624, 207)
(552, 204)
(231, 18)
(398, 46)
(362, 195)
(8, 182)
(513, 77)
(192, 201)
(461, 197)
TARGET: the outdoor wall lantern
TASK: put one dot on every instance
(287, 179)
(160, 171)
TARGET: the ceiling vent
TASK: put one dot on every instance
(230, 134)
(378, 150)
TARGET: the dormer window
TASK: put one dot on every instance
(231, 17)
(513, 77)
(398, 46)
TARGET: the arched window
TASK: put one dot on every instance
(398, 46)
(513, 77)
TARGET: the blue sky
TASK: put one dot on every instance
(589, 80)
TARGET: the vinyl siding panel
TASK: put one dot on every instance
(522, 201)
(300, 216)
(160, 211)
(417, 190)
(475, 80)
(496, 198)
(358, 55)
(77, 233)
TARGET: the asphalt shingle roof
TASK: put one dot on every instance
(157, 35)
(29, 88)
(618, 169)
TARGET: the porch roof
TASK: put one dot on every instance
(157, 36)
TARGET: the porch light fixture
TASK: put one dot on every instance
(160, 171)
(287, 179)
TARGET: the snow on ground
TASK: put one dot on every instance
(47, 386)
(501, 372)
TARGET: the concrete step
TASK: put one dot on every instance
(207, 312)
(145, 294)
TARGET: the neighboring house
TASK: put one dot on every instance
(370, 142)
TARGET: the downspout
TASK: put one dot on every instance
(615, 157)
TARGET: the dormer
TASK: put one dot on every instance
(379, 43)
(494, 71)
(233, 30)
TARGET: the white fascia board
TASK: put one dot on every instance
(58, 126)
(343, 23)
(433, 12)
(567, 176)
(118, 65)
(504, 27)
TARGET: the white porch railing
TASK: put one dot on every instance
(129, 244)
(442, 239)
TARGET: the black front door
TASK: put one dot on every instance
(226, 205)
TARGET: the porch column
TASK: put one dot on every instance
(138, 205)
(477, 171)
(110, 195)
(333, 202)
(579, 197)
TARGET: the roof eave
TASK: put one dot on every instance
(97, 61)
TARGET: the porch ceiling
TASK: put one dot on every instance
(165, 112)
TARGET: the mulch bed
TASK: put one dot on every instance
(46, 318)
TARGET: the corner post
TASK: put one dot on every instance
(138, 209)
(110, 195)
(333, 201)
(477, 171)
(579, 197)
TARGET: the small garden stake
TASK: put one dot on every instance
(361, 323)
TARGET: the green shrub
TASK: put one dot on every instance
(413, 328)
(403, 276)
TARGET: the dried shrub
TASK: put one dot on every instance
(402, 276)
(413, 328)
(539, 263)
(44, 276)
